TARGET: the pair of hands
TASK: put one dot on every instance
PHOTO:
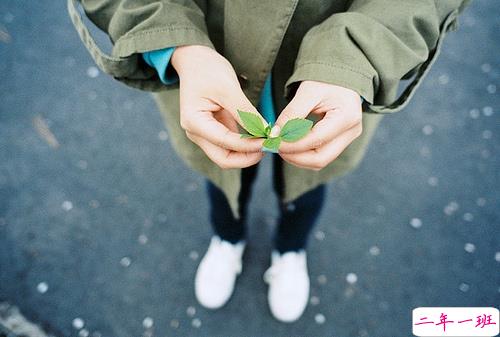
(210, 95)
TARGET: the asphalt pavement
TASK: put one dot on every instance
(102, 226)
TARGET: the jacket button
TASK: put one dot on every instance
(243, 79)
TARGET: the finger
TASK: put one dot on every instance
(224, 158)
(316, 159)
(237, 100)
(299, 107)
(203, 124)
(334, 123)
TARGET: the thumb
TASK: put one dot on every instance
(299, 107)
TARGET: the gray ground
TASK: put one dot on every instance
(97, 228)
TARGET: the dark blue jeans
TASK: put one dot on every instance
(296, 218)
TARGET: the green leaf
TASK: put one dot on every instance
(267, 131)
(295, 129)
(247, 135)
(252, 123)
(272, 144)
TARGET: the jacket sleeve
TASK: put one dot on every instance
(135, 27)
(375, 44)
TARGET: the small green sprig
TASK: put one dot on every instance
(293, 130)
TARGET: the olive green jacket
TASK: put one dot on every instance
(365, 45)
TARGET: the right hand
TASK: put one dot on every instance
(210, 95)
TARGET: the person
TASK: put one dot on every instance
(336, 62)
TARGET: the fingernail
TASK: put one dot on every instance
(275, 131)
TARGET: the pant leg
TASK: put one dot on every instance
(298, 217)
(221, 217)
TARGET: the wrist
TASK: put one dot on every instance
(184, 56)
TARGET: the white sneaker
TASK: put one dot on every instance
(288, 281)
(217, 272)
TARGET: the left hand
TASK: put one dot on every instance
(340, 124)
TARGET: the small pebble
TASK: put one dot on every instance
(196, 322)
(448, 211)
(193, 255)
(319, 318)
(78, 323)
(191, 311)
(433, 181)
(83, 333)
(143, 239)
(443, 79)
(322, 279)
(486, 67)
(125, 261)
(428, 130)
(491, 88)
(67, 205)
(468, 217)
(42, 287)
(416, 223)
(162, 135)
(497, 256)
(487, 134)
(469, 247)
(487, 111)
(464, 287)
(314, 300)
(451, 208)
(174, 323)
(351, 278)
(319, 235)
(474, 113)
(374, 250)
(481, 202)
(147, 323)
(92, 72)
